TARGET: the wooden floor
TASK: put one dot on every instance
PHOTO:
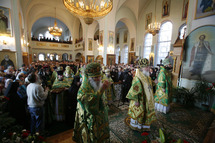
(64, 137)
(210, 137)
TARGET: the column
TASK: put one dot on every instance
(16, 31)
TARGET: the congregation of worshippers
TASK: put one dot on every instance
(54, 87)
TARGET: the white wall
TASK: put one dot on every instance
(192, 25)
(175, 17)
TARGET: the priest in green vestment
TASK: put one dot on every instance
(68, 74)
(91, 121)
(164, 88)
(110, 92)
(141, 108)
(58, 91)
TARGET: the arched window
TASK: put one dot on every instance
(117, 54)
(182, 30)
(40, 36)
(164, 41)
(48, 35)
(51, 57)
(126, 54)
(56, 57)
(147, 45)
(41, 57)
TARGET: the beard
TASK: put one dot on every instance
(146, 73)
(95, 84)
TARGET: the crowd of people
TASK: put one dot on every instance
(55, 40)
(80, 94)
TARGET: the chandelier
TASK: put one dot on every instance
(89, 9)
(154, 28)
(55, 31)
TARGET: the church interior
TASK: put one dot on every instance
(60, 38)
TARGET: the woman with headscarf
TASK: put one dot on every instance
(16, 105)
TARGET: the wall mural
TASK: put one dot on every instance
(199, 54)
(148, 20)
(111, 33)
(5, 21)
(204, 8)
(185, 9)
(165, 8)
(132, 44)
(125, 37)
(101, 38)
(90, 44)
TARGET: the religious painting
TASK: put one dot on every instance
(117, 38)
(6, 62)
(131, 58)
(110, 38)
(132, 45)
(65, 57)
(35, 57)
(151, 59)
(204, 8)
(5, 21)
(90, 44)
(199, 54)
(185, 9)
(111, 59)
(148, 20)
(90, 59)
(165, 8)
(70, 57)
(125, 36)
(101, 38)
(99, 59)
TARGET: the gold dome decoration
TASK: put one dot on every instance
(89, 9)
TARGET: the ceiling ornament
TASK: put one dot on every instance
(89, 9)
(154, 27)
(55, 31)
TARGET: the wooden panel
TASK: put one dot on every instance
(131, 58)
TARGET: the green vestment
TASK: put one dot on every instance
(141, 91)
(164, 87)
(59, 97)
(91, 121)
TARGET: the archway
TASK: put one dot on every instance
(39, 30)
(78, 57)
(41, 57)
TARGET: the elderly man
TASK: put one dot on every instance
(141, 108)
(68, 74)
(164, 87)
(91, 123)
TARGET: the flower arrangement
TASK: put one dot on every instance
(12, 133)
(164, 137)
(23, 137)
(204, 91)
(146, 137)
